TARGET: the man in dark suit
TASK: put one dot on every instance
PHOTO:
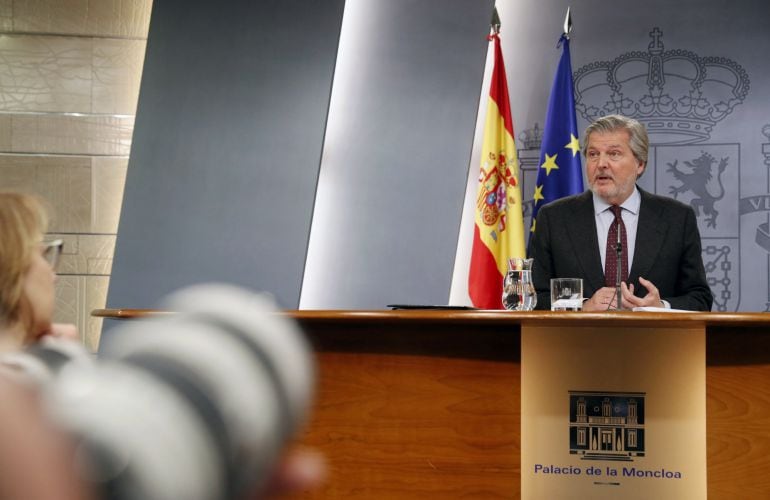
(578, 236)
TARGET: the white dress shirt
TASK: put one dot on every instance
(605, 218)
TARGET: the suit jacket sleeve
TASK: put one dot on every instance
(691, 290)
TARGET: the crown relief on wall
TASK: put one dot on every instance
(677, 94)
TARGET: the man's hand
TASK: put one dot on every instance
(652, 299)
(603, 299)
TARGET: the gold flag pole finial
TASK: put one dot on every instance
(495, 22)
(567, 24)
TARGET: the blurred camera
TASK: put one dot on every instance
(195, 404)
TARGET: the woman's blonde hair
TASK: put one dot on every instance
(23, 222)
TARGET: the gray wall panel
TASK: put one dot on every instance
(395, 162)
(226, 148)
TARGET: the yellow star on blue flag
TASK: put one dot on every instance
(549, 163)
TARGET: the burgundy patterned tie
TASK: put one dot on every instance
(611, 258)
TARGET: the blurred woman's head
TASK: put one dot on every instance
(26, 277)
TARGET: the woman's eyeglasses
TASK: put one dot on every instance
(52, 251)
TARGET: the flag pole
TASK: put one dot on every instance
(567, 24)
(495, 21)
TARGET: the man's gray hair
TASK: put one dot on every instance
(638, 140)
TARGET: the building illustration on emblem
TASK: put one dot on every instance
(680, 97)
(606, 425)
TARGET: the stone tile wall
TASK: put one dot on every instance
(69, 83)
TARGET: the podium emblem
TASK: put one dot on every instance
(606, 425)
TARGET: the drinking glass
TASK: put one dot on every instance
(566, 294)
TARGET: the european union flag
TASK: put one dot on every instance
(560, 173)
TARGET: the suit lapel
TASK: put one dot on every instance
(582, 234)
(650, 232)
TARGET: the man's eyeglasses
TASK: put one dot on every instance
(52, 251)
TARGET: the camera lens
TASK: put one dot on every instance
(196, 404)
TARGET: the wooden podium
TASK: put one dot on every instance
(426, 404)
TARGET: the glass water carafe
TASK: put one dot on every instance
(518, 289)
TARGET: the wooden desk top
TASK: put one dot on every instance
(418, 403)
(478, 317)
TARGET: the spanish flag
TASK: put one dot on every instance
(499, 230)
